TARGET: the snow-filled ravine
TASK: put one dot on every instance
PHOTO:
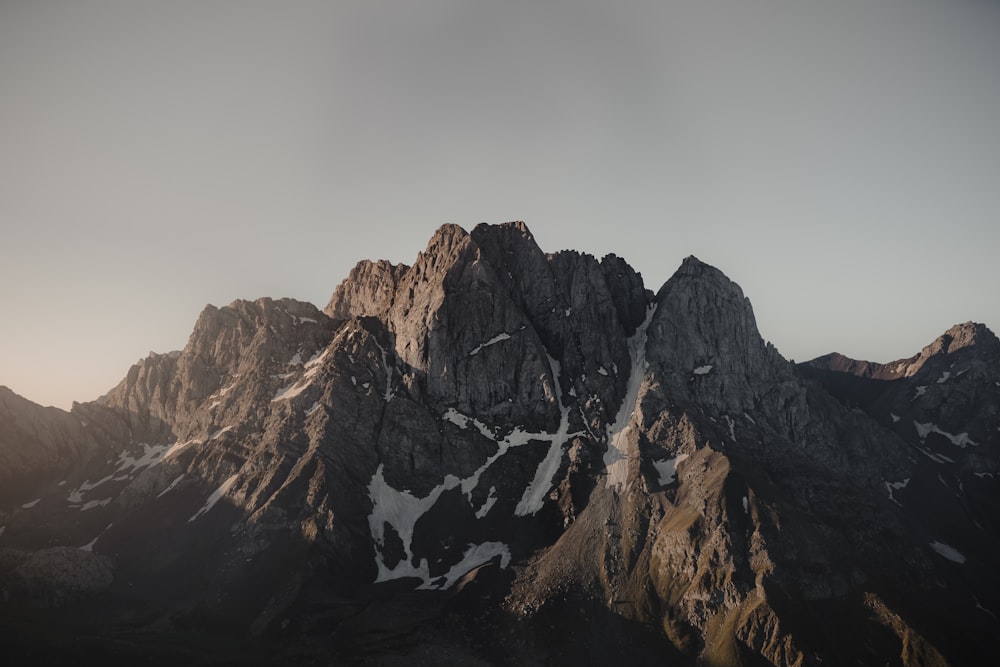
(401, 509)
(616, 457)
(216, 496)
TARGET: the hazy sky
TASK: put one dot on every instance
(839, 159)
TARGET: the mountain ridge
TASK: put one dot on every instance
(505, 438)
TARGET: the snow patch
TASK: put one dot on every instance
(894, 417)
(178, 446)
(29, 505)
(400, 510)
(534, 495)
(218, 434)
(892, 487)
(960, 440)
(746, 505)
(732, 427)
(979, 605)
(91, 504)
(75, 496)
(215, 497)
(89, 546)
(921, 390)
(492, 341)
(702, 370)
(937, 458)
(668, 469)
(312, 408)
(948, 551)
(458, 419)
(616, 456)
(475, 555)
(387, 396)
(172, 485)
(312, 367)
(516, 438)
(225, 390)
(602, 371)
(491, 500)
(291, 391)
(151, 455)
(944, 377)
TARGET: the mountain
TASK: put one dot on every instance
(498, 456)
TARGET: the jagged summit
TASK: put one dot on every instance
(707, 331)
(368, 290)
(962, 336)
(518, 227)
(969, 338)
(502, 454)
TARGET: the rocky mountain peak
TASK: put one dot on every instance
(962, 336)
(969, 339)
(522, 269)
(447, 246)
(708, 345)
(512, 239)
(515, 228)
(499, 451)
(253, 340)
(367, 292)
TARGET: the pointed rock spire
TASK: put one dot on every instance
(703, 339)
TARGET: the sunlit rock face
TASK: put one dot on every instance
(496, 455)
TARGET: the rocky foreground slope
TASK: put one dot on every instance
(501, 456)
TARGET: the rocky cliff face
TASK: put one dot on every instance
(36, 444)
(502, 456)
(944, 403)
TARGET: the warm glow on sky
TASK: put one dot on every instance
(839, 159)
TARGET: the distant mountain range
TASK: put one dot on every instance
(498, 456)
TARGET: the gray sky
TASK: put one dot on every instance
(839, 159)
